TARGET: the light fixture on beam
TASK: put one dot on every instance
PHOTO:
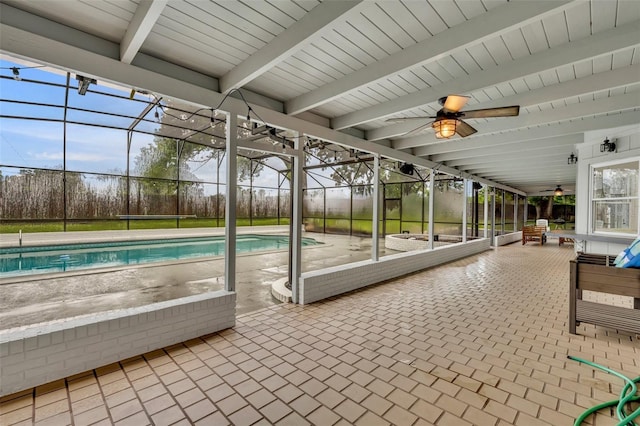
(83, 83)
(16, 73)
(445, 127)
(572, 159)
(558, 192)
(607, 146)
(407, 169)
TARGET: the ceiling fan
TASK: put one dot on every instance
(448, 121)
(557, 192)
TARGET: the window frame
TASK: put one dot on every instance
(592, 199)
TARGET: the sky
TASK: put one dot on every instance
(35, 143)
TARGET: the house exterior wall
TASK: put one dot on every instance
(627, 146)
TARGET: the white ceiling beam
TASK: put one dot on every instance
(147, 13)
(538, 174)
(511, 155)
(491, 24)
(570, 112)
(583, 125)
(602, 43)
(522, 165)
(311, 26)
(541, 177)
(453, 159)
(593, 83)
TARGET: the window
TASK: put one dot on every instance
(615, 198)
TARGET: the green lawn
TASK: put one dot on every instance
(105, 225)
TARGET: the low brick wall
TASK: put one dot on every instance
(324, 283)
(406, 242)
(502, 240)
(38, 354)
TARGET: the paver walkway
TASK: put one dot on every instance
(481, 341)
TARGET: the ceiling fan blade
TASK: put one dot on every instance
(454, 103)
(464, 129)
(403, 119)
(418, 129)
(508, 111)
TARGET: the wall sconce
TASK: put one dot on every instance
(573, 159)
(83, 83)
(607, 146)
(445, 128)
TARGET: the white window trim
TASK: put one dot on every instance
(590, 218)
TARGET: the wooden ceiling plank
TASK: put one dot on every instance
(399, 12)
(389, 27)
(498, 50)
(576, 19)
(471, 32)
(594, 46)
(556, 30)
(301, 33)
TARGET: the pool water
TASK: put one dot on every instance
(73, 257)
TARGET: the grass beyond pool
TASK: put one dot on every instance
(34, 260)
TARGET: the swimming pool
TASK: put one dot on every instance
(73, 257)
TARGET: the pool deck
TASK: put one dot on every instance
(55, 238)
(29, 300)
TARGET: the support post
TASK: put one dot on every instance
(465, 186)
(230, 205)
(375, 235)
(493, 219)
(432, 181)
(486, 210)
(515, 212)
(295, 240)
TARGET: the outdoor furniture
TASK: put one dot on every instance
(596, 272)
(543, 222)
(564, 237)
(534, 233)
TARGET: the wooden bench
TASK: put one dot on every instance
(596, 272)
(534, 233)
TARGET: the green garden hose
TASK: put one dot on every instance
(627, 395)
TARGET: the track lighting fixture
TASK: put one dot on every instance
(607, 146)
(83, 84)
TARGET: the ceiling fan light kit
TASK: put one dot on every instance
(448, 120)
(558, 192)
(445, 128)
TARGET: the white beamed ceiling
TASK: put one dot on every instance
(572, 66)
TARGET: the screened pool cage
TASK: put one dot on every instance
(112, 159)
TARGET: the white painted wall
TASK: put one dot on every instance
(502, 240)
(627, 146)
(38, 354)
